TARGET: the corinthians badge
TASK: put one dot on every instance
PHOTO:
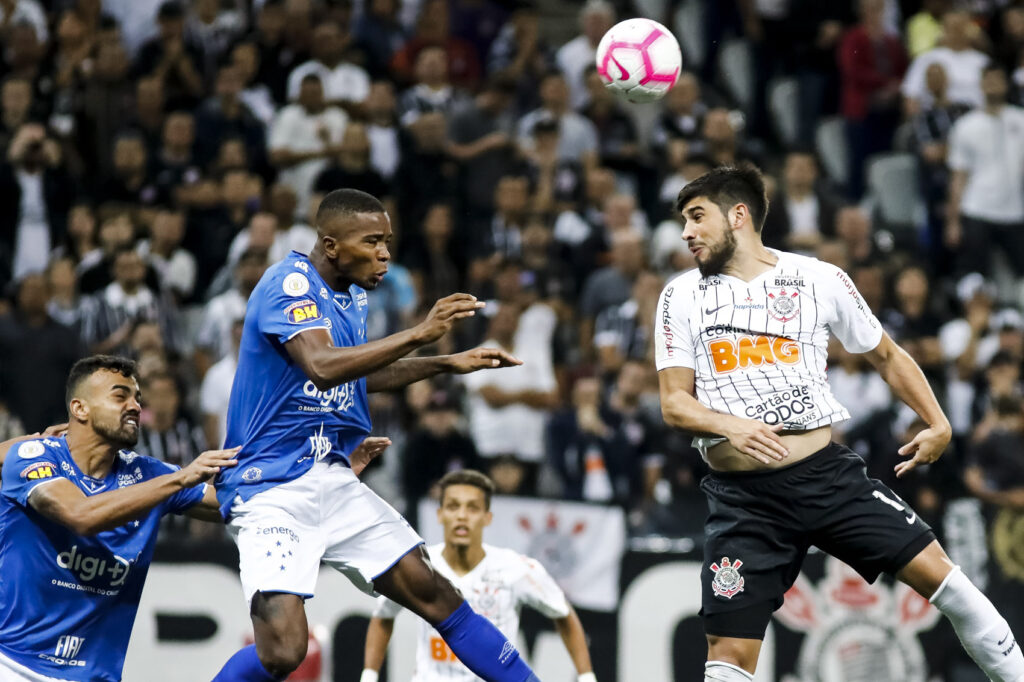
(783, 306)
(728, 582)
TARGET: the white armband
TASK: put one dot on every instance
(369, 675)
(587, 677)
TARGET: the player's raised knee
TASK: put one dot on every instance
(281, 656)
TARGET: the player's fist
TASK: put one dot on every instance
(366, 452)
(444, 314)
(756, 439)
(207, 465)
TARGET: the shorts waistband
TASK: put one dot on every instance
(765, 474)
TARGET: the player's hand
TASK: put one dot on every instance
(444, 314)
(927, 446)
(366, 452)
(481, 358)
(758, 440)
(207, 465)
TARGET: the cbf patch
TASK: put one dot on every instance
(32, 448)
(37, 471)
(302, 311)
(728, 582)
(295, 284)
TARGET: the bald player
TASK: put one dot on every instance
(298, 408)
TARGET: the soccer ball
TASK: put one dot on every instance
(639, 59)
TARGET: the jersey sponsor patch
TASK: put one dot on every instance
(302, 311)
(295, 284)
(39, 470)
(752, 351)
(32, 448)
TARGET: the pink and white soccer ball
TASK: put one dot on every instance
(639, 59)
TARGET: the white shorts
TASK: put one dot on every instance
(12, 671)
(326, 515)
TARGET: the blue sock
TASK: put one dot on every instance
(482, 648)
(244, 666)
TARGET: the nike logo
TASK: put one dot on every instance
(911, 519)
(712, 311)
(1000, 642)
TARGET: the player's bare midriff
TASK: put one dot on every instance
(800, 444)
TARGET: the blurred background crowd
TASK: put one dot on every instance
(155, 157)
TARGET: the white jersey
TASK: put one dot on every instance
(759, 348)
(496, 588)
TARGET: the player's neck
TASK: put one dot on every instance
(462, 560)
(751, 260)
(326, 272)
(91, 452)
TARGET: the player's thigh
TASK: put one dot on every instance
(869, 526)
(364, 535)
(752, 555)
(278, 550)
(927, 570)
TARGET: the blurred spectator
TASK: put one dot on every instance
(502, 238)
(29, 12)
(166, 432)
(213, 339)
(682, 115)
(10, 425)
(914, 324)
(23, 57)
(804, 213)
(433, 29)
(36, 354)
(292, 234)
(872, 63)
(434, 268)
(215, 391)
(64, 305)
(432, 90)
(508, 407)
(962, 63)
(425, 175)
(80, 241)
(477, 22)
(436, 446)
(681, 168)
(175, 266)
(16, 99)
(130, 182)
(382, 128)
(853, 228)
(769, 28)
(109, 317)
(611, 285)
(172, 58)
(176, 169)
(1009, 51)
(149, 111)
(276, 57)
(379, 34)
(212, 28)
(721, 142)
(351, 166)
(577, 138)
(995, 470)
(256, 95)
(304, 136)
(224, 115)
(36, 192)
(986, 205)
(520, 54)
(857, 387)
(924, 29)
(626, 332)
(344, 83)
(558, 182)
(618, 141)
(596, 17)
(817, 29)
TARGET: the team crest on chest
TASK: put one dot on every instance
(783, 304)
(727, 582)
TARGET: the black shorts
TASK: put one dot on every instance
(761, 523)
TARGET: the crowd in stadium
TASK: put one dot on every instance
(156, 157)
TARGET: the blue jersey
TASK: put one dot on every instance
(67, 602)
(276, 413)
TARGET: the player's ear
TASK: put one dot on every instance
(78, 409)
(488, 517)
(738, 213)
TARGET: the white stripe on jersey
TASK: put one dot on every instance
(759, 348)
(496, 588)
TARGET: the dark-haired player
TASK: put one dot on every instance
(298, 408)
(496, 581)
(740, 346)
(79, 516)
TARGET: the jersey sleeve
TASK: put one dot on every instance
(287, 306)
(29, 465)
(181, 501)
(854, 324)
(537, 589)
(386, 609)
(673, 344)
(960, 157)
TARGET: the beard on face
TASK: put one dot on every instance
(717, 255)
(119, 434)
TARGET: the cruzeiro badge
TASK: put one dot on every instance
(728, 582)
(783, 306)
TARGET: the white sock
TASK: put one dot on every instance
(716, 671)
(984, 633)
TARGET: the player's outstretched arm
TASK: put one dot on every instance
(681, 410)
(908, 381)
(63, 502)
(378, 635)
(410, 370)
(328, 365)
(571, 631)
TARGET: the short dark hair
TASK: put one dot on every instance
(727, 186)
(468, 477)
(86, 367)
(347, 202)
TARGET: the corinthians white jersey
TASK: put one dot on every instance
(759, 348)
(496, 589)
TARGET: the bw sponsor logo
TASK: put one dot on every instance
(303, 311)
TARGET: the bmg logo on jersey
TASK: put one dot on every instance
(746, 351)
(87, 568)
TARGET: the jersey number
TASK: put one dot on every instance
(439, 651)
